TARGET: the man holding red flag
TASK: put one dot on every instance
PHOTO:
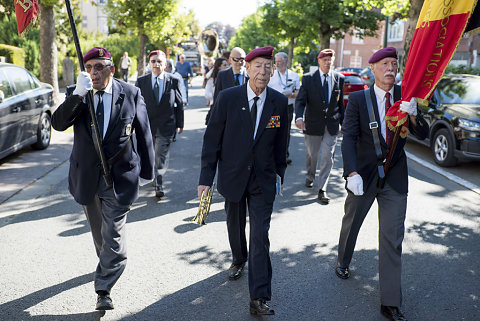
(364, 148)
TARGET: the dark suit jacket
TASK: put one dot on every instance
(167, 115)
(358, 149)
(310, 101)
(128, 114)
(225, 79)
(228, 142)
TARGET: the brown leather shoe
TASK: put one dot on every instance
(235, 271)
(392, 313)
(260, 307)
(342, 273)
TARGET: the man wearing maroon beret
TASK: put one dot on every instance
(319, 113)
(364, 148)
(120, 110)
(247, 138)
(165, 111)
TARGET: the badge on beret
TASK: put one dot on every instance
(274, 122)
(128, 129)
(100, 52)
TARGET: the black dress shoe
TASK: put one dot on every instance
(342, 273)
(260, 307)
(392, 313)
(104, 302)
(159, 192)
(235, 271)
(308, 183)
(322, 196)
(289, 161)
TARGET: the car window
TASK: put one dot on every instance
(20, 78)
(459, 91)
(5, 90)
(354, 80)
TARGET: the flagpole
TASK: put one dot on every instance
(97, 140)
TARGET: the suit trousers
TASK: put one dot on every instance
(325, 145)
(162, 147)
(392, 207)
(107, 219)
(260, 212)
(290, 117)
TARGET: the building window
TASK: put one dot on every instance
(356, 61)
(356, 39)
(395, 31)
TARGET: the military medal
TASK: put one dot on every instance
(128, 129)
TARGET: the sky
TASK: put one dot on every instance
(226, 11)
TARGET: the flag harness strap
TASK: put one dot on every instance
(376, 141)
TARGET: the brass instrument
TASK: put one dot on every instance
(204, 207)
(208, 43)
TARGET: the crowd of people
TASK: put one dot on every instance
(252, 100)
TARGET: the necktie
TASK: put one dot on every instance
(253, 112)
(237, 79)
(100, 112)
(155, 91)
(325, 87)
(387, 106)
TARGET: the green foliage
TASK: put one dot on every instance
(13, 55)
(252, 34)
(462, 69)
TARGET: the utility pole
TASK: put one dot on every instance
(385, 38)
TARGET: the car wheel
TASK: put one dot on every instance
(443, 148)
(44, 132)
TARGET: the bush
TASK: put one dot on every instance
(462, 69)
(13, 55)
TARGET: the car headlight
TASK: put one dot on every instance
(469, 125)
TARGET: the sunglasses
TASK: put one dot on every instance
(238, 59)
(96, 67)
(153, 61)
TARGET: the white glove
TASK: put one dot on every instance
(355, 184)
(84, 84)
(409, 107)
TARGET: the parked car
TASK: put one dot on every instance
(453, 114)
(25, 110)
(353, 82)
(349, 69)
(367, 76)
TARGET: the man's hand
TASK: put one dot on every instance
(300, 124)
(355, 183)
(84, 84)
(179, 130)
(202, 189)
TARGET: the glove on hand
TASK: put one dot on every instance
(84, 84)
(409, 107)
(355, 184)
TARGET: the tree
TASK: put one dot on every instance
(142, 17)
(48, 43)
(252, 34)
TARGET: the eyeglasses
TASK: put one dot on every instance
(96, 67)
(238, 59)
(153, 61)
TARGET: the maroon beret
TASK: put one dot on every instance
(326, 53)
(158, 53)
(97, 53)
(263, 52)
(383, 53)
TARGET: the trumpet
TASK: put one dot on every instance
(204, 207)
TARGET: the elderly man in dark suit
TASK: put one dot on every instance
(364, 148)
(120, 111)
(247, 138)
(234, 76)
(165, 111)
(319, 113)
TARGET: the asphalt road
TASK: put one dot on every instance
(177, 270)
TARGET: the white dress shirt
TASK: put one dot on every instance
(329, 80)
(107, 104)
(161, 78)
(380, 94)
(260, 103)
(285, 83)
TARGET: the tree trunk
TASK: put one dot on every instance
(291, 45)
(142, 55)
(413, 13)
(48, 47)
(324, 41)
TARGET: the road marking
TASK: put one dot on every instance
(450, 176)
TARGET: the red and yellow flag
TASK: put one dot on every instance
(440, 27)
(26, 11)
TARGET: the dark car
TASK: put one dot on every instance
(453, 114)
(353, 82)
(25, 110)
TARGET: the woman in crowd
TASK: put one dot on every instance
(220, 64)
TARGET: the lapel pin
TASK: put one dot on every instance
(243, 108)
